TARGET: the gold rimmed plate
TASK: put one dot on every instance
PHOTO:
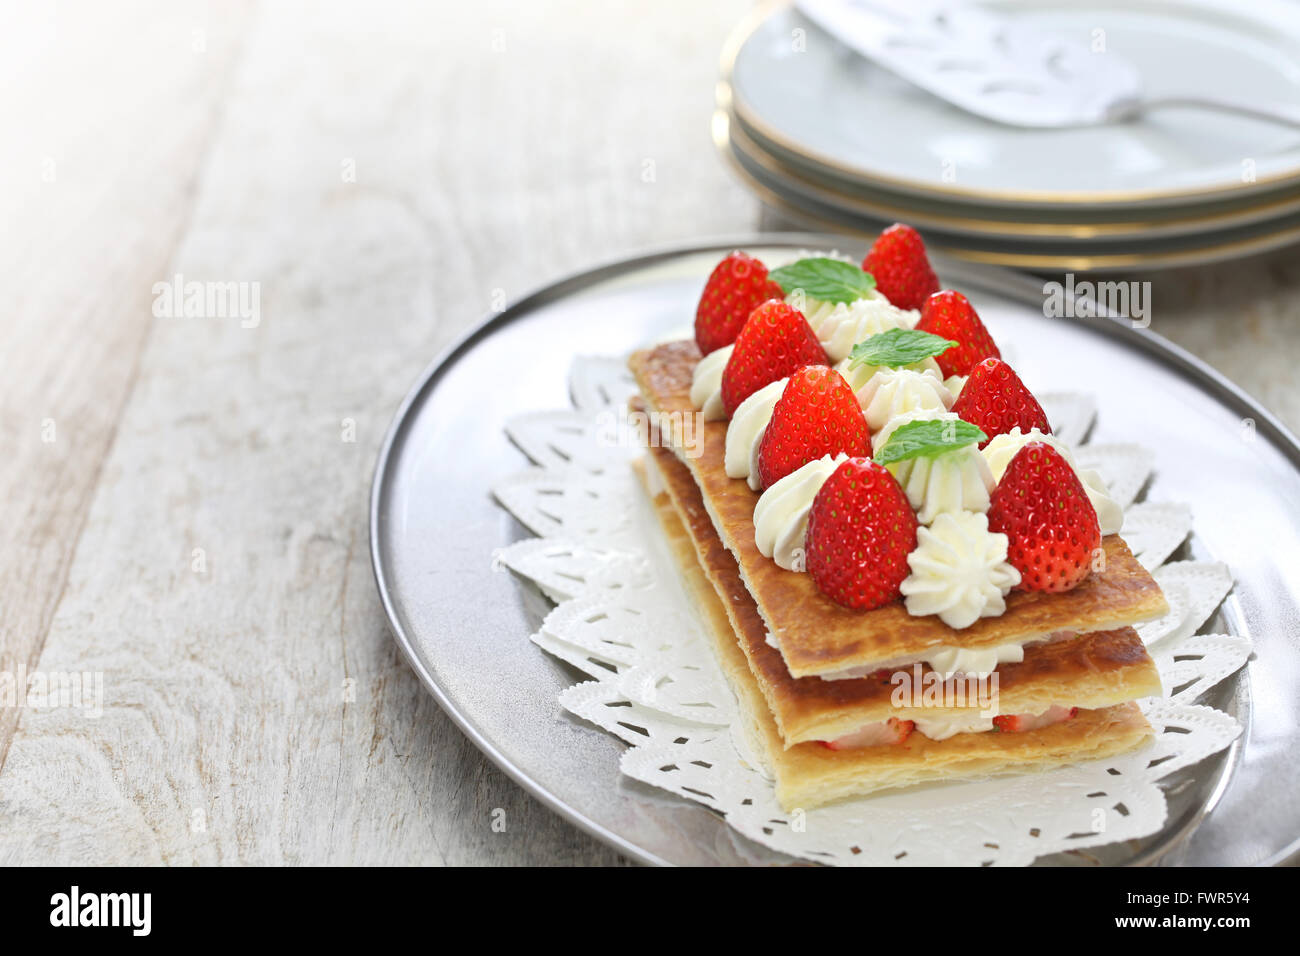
(1001, 222)
(1031, 254)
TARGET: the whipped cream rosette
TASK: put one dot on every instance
(706, 384)
(890, 393)
(940, 481)
(781, 515)
(959, 570)
(745, 432)
(840, 326)
(840, 302)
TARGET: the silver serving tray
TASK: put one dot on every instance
(464, 628)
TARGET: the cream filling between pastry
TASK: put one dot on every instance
(951, 661)
(944, 726)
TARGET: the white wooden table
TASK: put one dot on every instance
(186, 497)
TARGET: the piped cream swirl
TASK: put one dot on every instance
(956, 480)
(706, 383)
(860, 375)
(745, 432)
(959, 572)
(893, 392)
(781, 515)
(842, 325)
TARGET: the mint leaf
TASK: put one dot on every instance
(898, 347)
(928, 438)
(829, 280)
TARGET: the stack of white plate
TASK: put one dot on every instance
(832, 140)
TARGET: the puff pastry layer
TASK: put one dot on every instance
(1089, 670)
(819, 637)
(809, 775)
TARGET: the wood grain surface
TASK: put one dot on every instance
(186, 497)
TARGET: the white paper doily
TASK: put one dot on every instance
(623, 618)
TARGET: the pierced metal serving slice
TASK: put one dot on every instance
(995, 67)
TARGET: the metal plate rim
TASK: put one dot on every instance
(1259, 241)
(1006, 281)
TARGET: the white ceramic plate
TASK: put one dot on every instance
(842, 115)
(1014, 223)
(1032, 253)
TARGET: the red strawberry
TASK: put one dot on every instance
(997, 401)
(901, 269)
(1019, 723)
(737, 286)
(949, 314)
(887, 733)
(775, 341)
(817, 414)
(1050, 524)
(860, 531)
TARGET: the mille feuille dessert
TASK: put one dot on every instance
(906, 575)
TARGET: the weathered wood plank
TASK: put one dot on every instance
(380, 183)
(105, 129)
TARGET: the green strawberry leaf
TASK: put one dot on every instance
(928, 438)
(898, 347)
(830, 280)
